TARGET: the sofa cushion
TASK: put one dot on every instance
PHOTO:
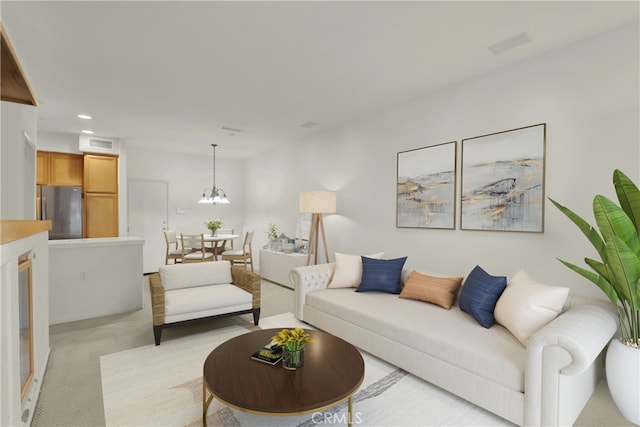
(381, 275)
(183, 304)
(526, 306)
(441, 291)
(178, 276)
(479, 295)
(449, 335)
(348, 270)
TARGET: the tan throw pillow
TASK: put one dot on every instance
(526, 306)
(348, 271)
(441, 291)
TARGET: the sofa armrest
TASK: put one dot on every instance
(308, 279)
(157, 299)
(249, 281)
(566, 347)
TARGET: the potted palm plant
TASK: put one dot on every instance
(617, 274)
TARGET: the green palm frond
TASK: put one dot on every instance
(629, 197)
(618, 244)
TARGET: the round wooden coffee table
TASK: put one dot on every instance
(332, 372)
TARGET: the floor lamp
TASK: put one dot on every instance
(317, 203)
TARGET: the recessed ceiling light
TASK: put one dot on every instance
(84, 116)
(88, 132)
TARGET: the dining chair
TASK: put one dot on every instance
(241, 256)
(226, 246)
(174, 251)
(196, 251)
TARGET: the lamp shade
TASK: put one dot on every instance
(318, 202)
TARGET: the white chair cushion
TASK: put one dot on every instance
(233, 252)
(179, 276)
(198, 255)
(202, 301)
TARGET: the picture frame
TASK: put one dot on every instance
(503, 178)
(426, 187)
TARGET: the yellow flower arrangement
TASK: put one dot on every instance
(292, 339)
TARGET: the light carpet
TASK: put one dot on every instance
(162, 386)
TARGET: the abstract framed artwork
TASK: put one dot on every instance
(503, 181)
(426, 187)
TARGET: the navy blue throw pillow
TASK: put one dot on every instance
(480, 294)
(381, 275)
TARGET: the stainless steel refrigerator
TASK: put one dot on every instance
(63, 207)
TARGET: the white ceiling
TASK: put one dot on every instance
(171, 74)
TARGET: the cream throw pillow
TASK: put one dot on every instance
(348, 271)
(526, 306)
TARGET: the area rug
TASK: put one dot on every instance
(162, 386)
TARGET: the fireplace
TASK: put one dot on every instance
(24, 317)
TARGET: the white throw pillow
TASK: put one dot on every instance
(348, 270)
(526, 306)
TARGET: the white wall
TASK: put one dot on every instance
(587, 93)
(18, 195)
(187, 176)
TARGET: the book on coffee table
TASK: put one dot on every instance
(271, 354)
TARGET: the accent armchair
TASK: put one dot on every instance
(186, 292)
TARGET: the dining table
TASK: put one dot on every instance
(217, 241)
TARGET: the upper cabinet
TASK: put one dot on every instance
(100, 173)
(101, 195)
(59, 169)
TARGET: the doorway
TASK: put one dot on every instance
(148, 219)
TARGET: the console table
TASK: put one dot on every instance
(275, 266)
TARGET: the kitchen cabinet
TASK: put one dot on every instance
(42, 168)
(100, 173)
(59, 169)
(100, 195)
(101, 215)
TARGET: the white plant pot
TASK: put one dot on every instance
(623, 378)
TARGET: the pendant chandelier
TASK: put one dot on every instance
(214, 195)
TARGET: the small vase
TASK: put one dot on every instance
(292, 359)
(214, 232)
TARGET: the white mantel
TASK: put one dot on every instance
(94, 277)
(18, 238)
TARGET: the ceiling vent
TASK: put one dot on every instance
(510, 43)
(228, 129)
(99, 144)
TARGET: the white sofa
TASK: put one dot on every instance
(546, 383)
(193, 291)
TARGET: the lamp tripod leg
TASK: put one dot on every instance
(324, 238)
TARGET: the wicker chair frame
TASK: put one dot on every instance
(242, 278)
